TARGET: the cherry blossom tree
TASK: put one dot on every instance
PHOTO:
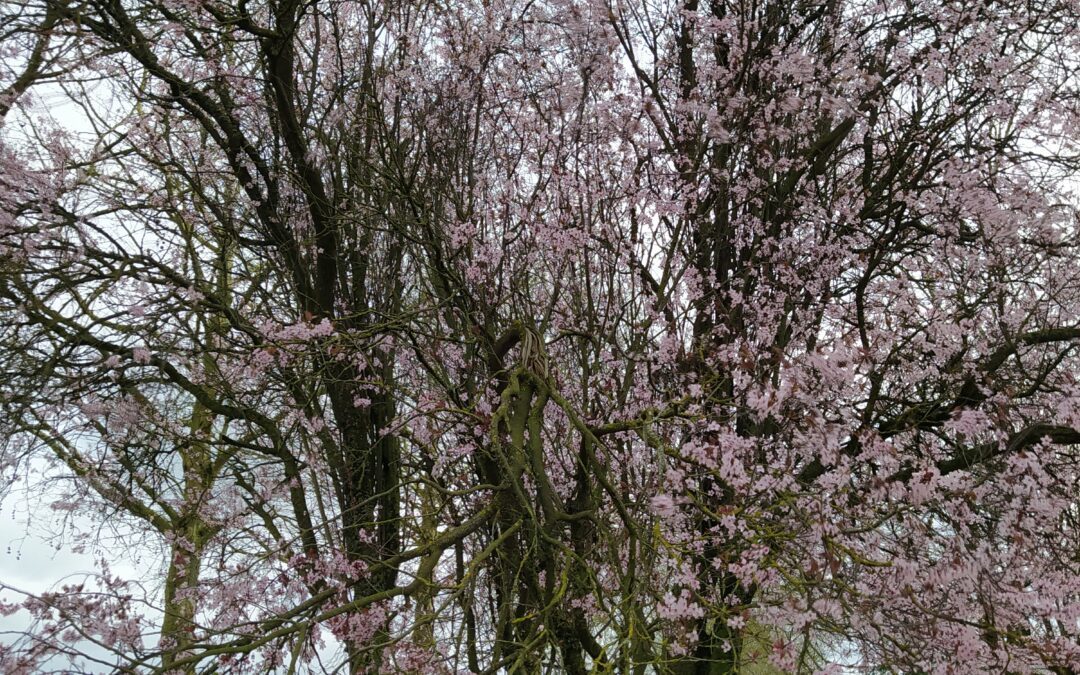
(693, 337)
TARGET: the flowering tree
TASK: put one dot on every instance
(618, 337)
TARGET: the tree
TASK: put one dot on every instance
(695, 337)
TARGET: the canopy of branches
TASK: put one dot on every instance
(523, 336)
